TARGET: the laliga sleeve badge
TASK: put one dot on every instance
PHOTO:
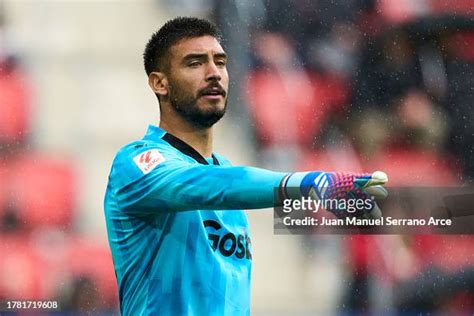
(148, 160)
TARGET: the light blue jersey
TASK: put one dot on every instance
(177, 249)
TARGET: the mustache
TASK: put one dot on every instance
(213, 87)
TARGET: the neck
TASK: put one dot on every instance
(198, 138)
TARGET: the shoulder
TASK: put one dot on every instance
(145, 149)
(139, 158)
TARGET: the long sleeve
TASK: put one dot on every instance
(177, 185)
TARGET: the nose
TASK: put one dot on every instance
(213, 72)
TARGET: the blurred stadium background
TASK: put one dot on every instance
(355, 85)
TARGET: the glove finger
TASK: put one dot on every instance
(377, 191)
(377, 178)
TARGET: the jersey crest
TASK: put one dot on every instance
(148, 160)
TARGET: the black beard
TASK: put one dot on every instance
(187, 108)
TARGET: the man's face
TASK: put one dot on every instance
(198, 80)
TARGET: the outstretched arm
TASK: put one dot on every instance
(172, 184)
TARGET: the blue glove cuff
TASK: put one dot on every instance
(300, 183)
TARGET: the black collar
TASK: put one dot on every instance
(187, 150)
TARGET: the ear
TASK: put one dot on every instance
(158, 83)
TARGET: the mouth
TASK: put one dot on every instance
(213, 93)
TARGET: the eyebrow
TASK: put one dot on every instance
(203, 56)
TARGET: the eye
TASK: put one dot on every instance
(194, 64)
(221, 62)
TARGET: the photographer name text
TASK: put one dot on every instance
(354, 221)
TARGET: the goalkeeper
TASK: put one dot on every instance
(179, 238)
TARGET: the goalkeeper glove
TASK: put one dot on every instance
(338, 186)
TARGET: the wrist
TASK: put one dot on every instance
(298, 184)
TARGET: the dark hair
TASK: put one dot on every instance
(169, 34)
